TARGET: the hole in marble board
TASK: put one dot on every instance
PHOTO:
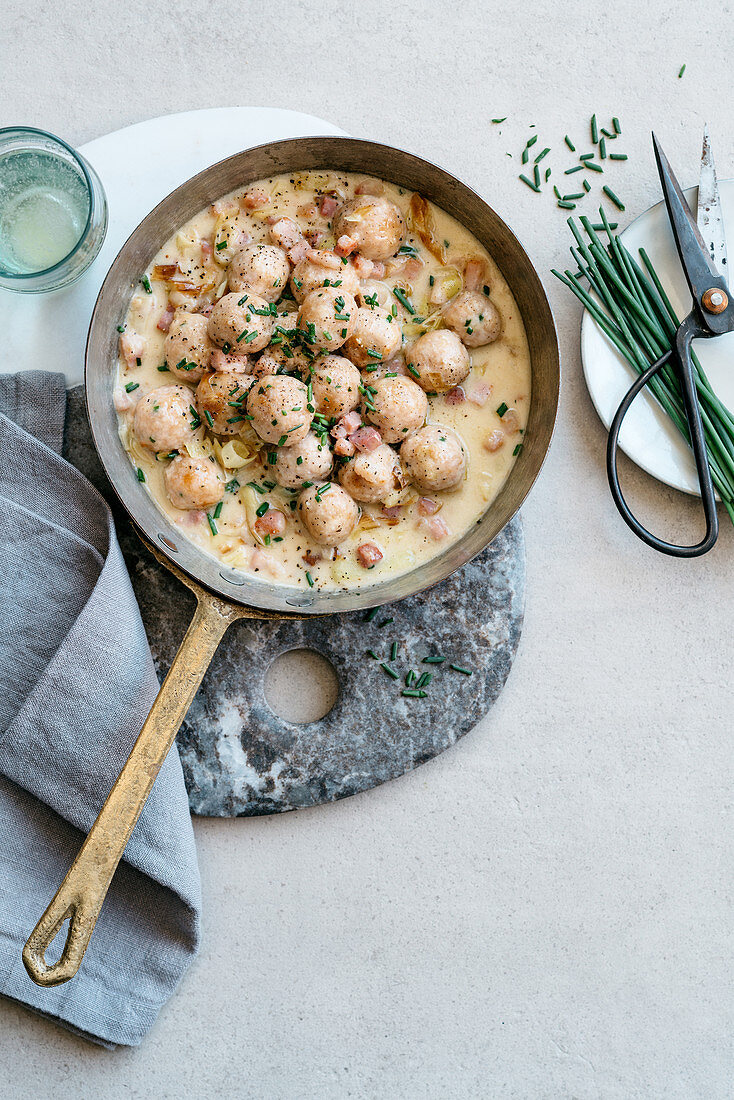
(301, 686)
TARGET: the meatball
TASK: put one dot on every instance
(307, 460)
(187, 347)
(220, 399)
(194, 482)
(241, 322)
(308, 276)
(372, 476)
(335, 382)
(329, 514)
(438, 361)
(261, 268)
(277, 405)
(374, 223)
(398, 407)
(278, 358)
(434, 458)
(375, 338)
(326, 318)
(163, 418)
(473, 317)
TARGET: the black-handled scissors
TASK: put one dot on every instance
(712, 314)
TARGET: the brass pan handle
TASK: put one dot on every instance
(83, 891)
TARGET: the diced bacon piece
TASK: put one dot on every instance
(350, 422)
(494, 440)
(164, 321)
(481, 394)
(475, 275)
(299, 251)
(122, 400)
(285, 232)
(344, 447)
(378, 269)
(192, 519)
(392, 366)
(239, 364)
(255, 198)
(309, 210)
(370, 187)
(427, 506)
(132, 347)
(436, 527)
(315, 237)
(510, 420)
(323, 257)
(368, 555)
(206, 250)
(363, 267)
(412, 267)
(310, 558)
(272, 523)
(328, 206)
(345, 245)
(366, 439)
(455, 396)
(393, 512)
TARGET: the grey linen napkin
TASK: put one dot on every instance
(76, 682)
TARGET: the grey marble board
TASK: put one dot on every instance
(240, 758)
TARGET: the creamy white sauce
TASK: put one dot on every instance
(404, 541)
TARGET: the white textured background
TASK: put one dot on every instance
(546, 910)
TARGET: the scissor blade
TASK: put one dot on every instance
(709, 215)
(698, 266)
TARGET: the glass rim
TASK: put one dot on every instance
(77, 157)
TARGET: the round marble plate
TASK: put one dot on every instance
(648, 436)
(240, 758)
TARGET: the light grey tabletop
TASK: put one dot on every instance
(546, 909)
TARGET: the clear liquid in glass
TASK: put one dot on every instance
(44, 207)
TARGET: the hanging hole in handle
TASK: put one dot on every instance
(301, 686)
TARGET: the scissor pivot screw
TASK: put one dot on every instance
(715, 300)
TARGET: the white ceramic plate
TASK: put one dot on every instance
(647, 436)
(138, 167)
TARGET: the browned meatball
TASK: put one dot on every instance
(326, 318)
(187, 347)
(194, 482)
(277, 404)
(473, 318)
(372, 476)
(307, 460)
(434, 458)
(220, 399)
(328, 512)
(374, 223)
(163, 418)
(335, 382)
(375, 338)
(438, 361)
(241, 322)
(261, 268)
(308, 276)
(398, 408)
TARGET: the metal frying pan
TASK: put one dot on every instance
(222, 594)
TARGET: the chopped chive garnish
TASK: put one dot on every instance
(618, 156)
(310, 579)
(531, 141)
(593, 167)
(209, 418)
(212, 524)
(576, 195)
(586, 186)
(570, 144)
(218, 510)
(586, 156)
(141, 475)
(543, 153)
(576, 168)
(131, 386)
(410, 679)
(120, 328)
(600, 227)
(566, 205)
(400, 295)
(258, 488)
(497, 121)
(603, 148)
(517, 450)
(413, 693)
(411, 370)
(393, 651)
(463, 671)
(433, 660)
(371, 653)
(594, 130)
(262, 509)
(390, 671)
(385, 622)
(424, 680)
(232, 486)
(608, 134)
(610, 194)
(536, 176)
(682, 70)
(372, 614)
(525, 156)
(617, 127)
(547, 174)
(529, 182)
(221, 245)
(146, 284)
(163, 366)
(502, 409)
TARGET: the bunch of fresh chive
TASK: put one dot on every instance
(632, 308)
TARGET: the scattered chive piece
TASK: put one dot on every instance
(120, 328)
(618, 156)
(370, 652)
(682, 70)
(599, 227)
(413, 693)
(163, 366)
(557, 193)
(603, 148)
(262, 509)
(371, 614)
(385, 622)
(593, 167)
(401, 297)
(530, 183)
(311, 583)
(531, 141)
(146, 284)
(258, 488)
(390, 671)
(525, 156)
(463, 671)
(547, 174)
(586, 156)
(543, 153)
(594, 130)
(502, 409)
(393, 651)
(617, 127)
(131, 386)
(609, 134)
(424, 680)
(209, 418)
(212, 524)
(576, 195)
(586, 186)
(410, 679)
(517, 450)
(536, 176)
(570, 144)
(221, 245)
(566, 205)
(610, 194)
(141, 475)
(496, 121)
(433, 660)
(218, 510)
(576, 168)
